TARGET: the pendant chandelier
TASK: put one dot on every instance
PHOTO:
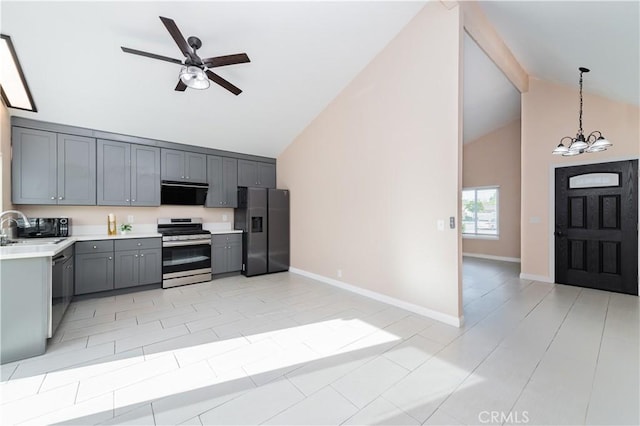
(595, 142)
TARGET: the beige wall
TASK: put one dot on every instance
(549, 112)
(372, 174)
(494, 160)
(5, 159)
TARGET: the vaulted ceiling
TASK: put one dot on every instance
(302, 55)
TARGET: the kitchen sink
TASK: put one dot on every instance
(33, 242)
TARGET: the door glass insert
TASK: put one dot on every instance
(594, 180)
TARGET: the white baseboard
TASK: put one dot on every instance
(540, 278)
(420, 310)
(492, 257)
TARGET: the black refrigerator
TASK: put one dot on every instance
(263, 216)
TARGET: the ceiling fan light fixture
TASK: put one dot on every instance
(595, 142)
(560, 149)
(194, 77)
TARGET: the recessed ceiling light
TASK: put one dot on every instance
(13, 86)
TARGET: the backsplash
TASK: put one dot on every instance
(145, 219)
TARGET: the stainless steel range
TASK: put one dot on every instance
(186, 251)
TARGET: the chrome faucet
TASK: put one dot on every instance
(3, 232)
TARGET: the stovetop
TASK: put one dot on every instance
(182, 229)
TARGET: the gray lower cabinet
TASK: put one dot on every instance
(24, 307)
(183, 166)
(138, 267)
(226, 253)
(94, 266)
(128, 174)
(256, 174)
(222, 176)
(107, 264)
(53, 168)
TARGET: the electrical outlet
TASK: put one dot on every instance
(224, 218)
(339, 273)
(130, 218)
(440, 225)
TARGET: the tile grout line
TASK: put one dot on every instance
(545, 351)
(595, 369)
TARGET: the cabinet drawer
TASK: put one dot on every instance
(224, 239)
(97, 246)
(138, 244)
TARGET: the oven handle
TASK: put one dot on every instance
(185, 243)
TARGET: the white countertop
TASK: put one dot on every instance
(19, 251)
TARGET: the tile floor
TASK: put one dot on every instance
(284, 349)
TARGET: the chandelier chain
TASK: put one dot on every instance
(580, 115)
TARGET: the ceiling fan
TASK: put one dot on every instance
(195, 71)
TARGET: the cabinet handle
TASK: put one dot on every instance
(139, 244)
(181, 177)
(133, 200)
(109, 257)
(53, 198)
(95, 247)
(136, 255)
(60, 198)
(127, 200)
(142, 255)
(221, 202)
(187, 177)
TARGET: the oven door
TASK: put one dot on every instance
(186, 262)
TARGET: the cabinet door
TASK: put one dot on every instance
(266, 175)
(114, 173)
(150, 271)
(172, 164)
(94, 272)
(215, 194)
(196, 167)
(126, 269)
(247, 173)
(234, 257)
(219, 263)
(145, 175)
(68, 280)
(230, 182)
(76, 170)
(34, 167)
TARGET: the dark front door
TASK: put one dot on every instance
(596, 235)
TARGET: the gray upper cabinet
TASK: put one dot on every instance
(183, 166)
(76, 170)
(114, 176)
(145, 175)
(51, 168)
(256, 174)
(222, 176)
(128, 174)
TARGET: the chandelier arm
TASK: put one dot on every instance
(567, 137)
(595, 137)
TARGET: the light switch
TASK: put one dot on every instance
(452, 222)
(130, 218)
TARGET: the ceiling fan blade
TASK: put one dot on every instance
(222, 82)
(180, 87)
(177, 36)
(150, 55)
(220, 61)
